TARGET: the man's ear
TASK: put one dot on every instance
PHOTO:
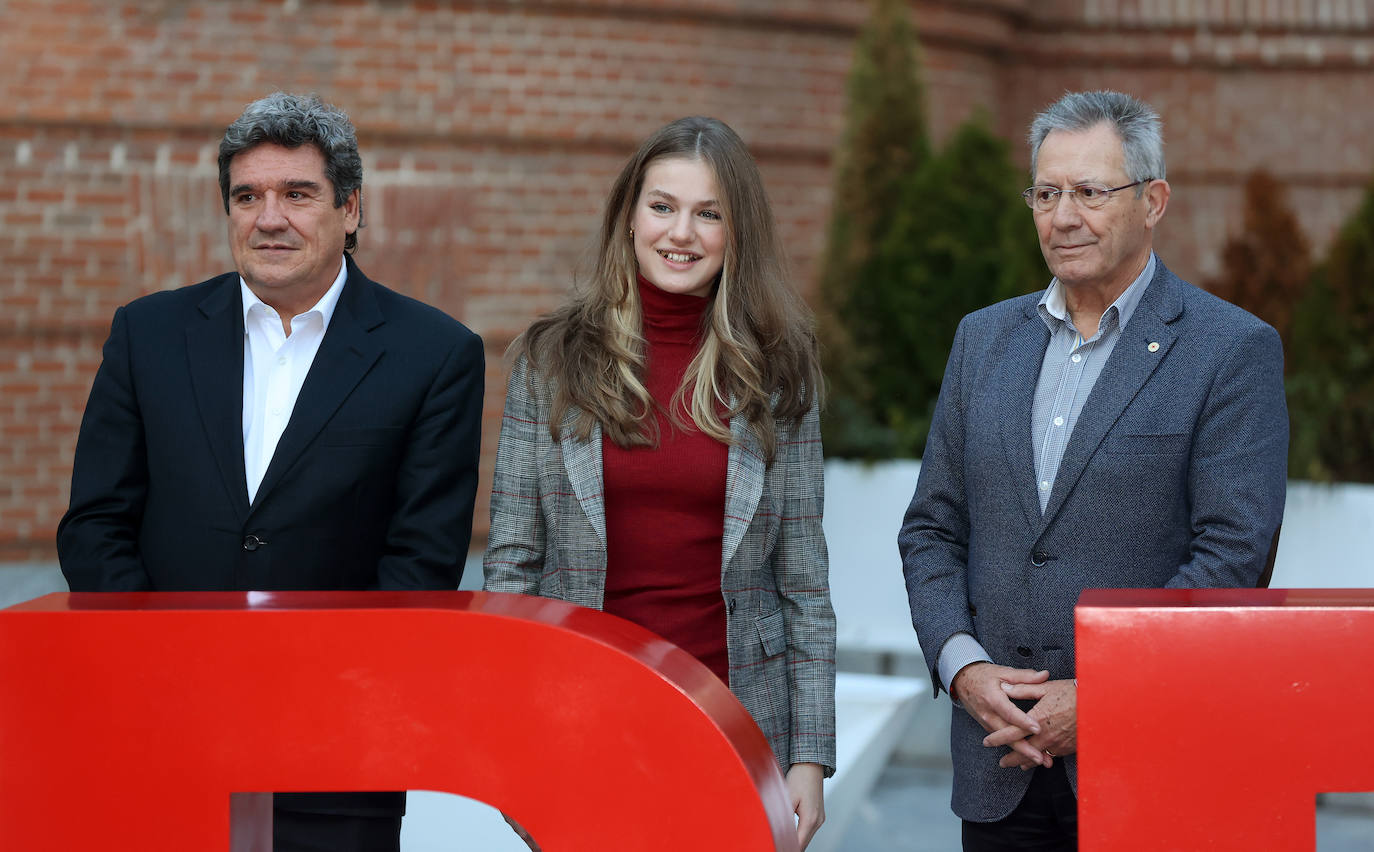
(352, 211)
(1157, 193)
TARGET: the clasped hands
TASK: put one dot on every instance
(1048, 730)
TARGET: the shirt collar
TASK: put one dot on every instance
(324, 307)
(1052, 305)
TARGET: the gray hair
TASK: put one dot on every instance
(291, 121)
(1135, 122)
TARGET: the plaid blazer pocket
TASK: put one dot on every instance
(763, 682)
(772, 634)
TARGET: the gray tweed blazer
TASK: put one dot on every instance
(548, 538)
(1174, 476)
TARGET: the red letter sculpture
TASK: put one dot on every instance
(128, 720)
(1210, 719)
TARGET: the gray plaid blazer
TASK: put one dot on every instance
(548, 538)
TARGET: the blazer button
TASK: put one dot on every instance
(730, 607)
(1023, 650)
(252, 543)
(973, 610)
(1039, 558)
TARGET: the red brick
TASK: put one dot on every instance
(42, 196)
(491, 132)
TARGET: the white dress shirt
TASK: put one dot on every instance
(274, 368)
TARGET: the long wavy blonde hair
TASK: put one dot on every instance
(758, 353)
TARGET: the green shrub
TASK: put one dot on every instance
(916, 242)
(883, 145)
(1331, 361)
(958, 240)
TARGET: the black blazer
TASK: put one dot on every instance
(370, 487)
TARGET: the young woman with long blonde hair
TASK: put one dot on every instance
(660, 453)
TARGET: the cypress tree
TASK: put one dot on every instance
(1267, 266)
(960, 239)
(883, 145)
(916, 241)
(1331, 384)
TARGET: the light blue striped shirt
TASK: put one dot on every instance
(1068, 371)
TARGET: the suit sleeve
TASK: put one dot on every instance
(801, 568)
(97, 539)
(436, 485)
(514, 559)
(933, 540)
(1237, 475)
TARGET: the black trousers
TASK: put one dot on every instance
(1045, 821)
(295, 831)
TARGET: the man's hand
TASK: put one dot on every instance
(804, 783)
(1055, 711)
(983, 690)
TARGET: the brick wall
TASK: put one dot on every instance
(1240, 84)
(491, 131)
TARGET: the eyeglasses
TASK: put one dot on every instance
(1043, 199)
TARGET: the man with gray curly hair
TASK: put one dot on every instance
(289, 425)
(1121, 428)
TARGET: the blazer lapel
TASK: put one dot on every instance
(214, 352)
(345, 355)
(1018, 371)
(582, 461)
(745, 472)
(1132, 362)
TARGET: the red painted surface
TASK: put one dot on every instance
(1210, 719)
(128, 720)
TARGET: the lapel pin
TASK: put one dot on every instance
(1153, 347)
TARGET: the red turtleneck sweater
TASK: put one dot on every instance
(665, 505)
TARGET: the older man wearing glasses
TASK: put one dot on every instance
(1120, 429)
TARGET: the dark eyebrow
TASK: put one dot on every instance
(290, 184)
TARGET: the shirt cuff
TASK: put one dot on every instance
(959, 650)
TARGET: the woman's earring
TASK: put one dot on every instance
(632, 232)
